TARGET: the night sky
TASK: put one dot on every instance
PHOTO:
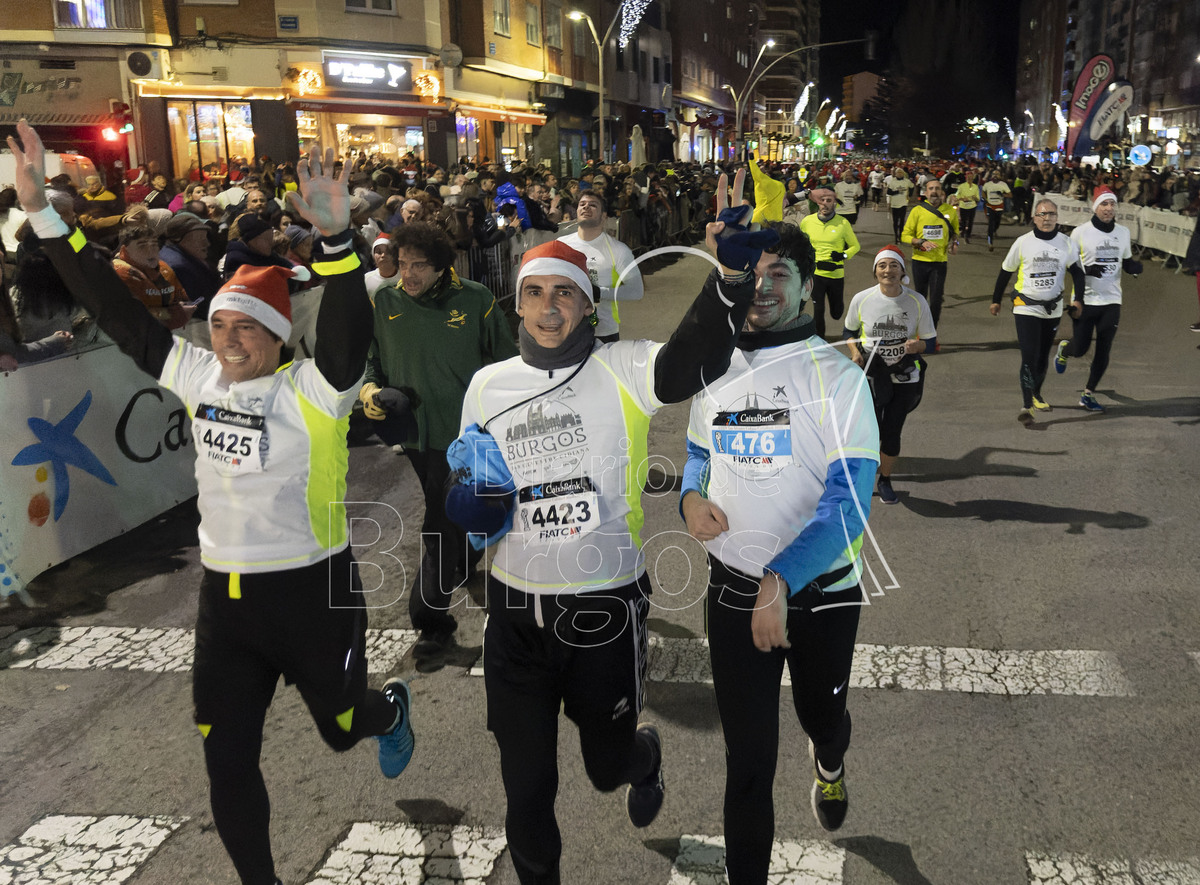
(960, 33)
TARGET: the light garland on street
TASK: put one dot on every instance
(801, 105)
(631, 15)
(1061, 121)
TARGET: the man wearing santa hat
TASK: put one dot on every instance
(280, 594)
(550, 468)
(1106, 251)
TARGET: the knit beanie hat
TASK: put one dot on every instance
(250, 225)
(261, 293)
(557, 258)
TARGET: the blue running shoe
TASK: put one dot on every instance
(1088, 401)
(1060, 358)
(886, 493)
(396, 747)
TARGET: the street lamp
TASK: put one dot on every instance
(739, 101)
(576, 15)
(926, 134)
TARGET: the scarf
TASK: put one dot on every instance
(573, 350)
(771, 338)
(1106, 226)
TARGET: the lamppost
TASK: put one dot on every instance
(576, 15)
(748, 89)
(926, 134)
(739, 101)
(1028, 133)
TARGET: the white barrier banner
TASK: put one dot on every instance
(1158, 229)
(90, 447)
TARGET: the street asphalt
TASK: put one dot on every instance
(1076, 534)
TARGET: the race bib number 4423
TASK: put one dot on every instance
(557, 511)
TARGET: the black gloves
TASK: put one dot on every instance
(828, 265)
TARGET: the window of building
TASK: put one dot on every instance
(111, 14)
(209, 135)
(620, 59)
(657, 70)
(500, 17)
(379, 7)
(533, 25)
(667, 70)
(580, 39)
(554, 25)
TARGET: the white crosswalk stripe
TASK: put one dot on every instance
(380, 853)
(701, 861)
(1080, 869)
(152, 649)
(930, 668)
(83, 850)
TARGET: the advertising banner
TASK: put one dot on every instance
(1089, 90)
(1115, 101)
(90, 447)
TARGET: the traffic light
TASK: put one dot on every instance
(123, 117)
(871, 39)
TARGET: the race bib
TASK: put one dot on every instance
(232, 442)
(890, 350)
(1111, 266)
(933, 232)
(753, 441)
(562, 510)
(1042, 282)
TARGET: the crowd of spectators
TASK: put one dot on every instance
(174, 242)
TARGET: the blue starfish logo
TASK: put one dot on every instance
(58, 445)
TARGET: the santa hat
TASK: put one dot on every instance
(261, 293)
(1101, 195)
(558, 259)
(381, 238)
(890, 251)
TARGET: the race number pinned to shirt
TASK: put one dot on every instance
(890, 350)
(933, 232)
(754, 441)
(232, 442)
(557, 511)
(1043, 283)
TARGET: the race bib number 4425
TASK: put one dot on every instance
(229, 441)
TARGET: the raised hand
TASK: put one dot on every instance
(31, 168)
(738, 249)
(323, 201)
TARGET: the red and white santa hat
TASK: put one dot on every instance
(381, 238)
(890, 251)
(1103, 194)
(555, 258)
(261, 293)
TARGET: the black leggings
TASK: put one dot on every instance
(899, 213)
(746, 683)
(929, 278)
(1035, 337)
(309, 626)
(1102, 319)
(966, 222)
(827, 288)
(586, 657)
(993, 219)
(893, 402)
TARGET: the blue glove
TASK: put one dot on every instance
(738, 248)
(479, 495)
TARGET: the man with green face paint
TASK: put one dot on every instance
(782, 453)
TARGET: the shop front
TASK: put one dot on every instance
(383, 107)
(498, 134)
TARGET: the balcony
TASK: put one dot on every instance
(121, 15)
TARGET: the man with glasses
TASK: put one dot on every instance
(1041, 259)
(432, 332)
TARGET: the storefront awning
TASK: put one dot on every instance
(502, 114)
(383, 107)
(52, 119)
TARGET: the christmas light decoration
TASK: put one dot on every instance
(631, 15)
(801, 105)
(1061, 121)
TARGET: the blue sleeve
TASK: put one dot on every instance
(695, 472)
(840, 518)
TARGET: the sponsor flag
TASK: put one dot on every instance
(1099, 71)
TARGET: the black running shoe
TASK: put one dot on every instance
(644, 799)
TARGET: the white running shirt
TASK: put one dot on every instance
(1041, 269)
(1107, 250)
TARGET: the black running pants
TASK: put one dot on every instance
(747, 681)
(833, 290)
(307, 625)
(1100, 320)
(1036, 337)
